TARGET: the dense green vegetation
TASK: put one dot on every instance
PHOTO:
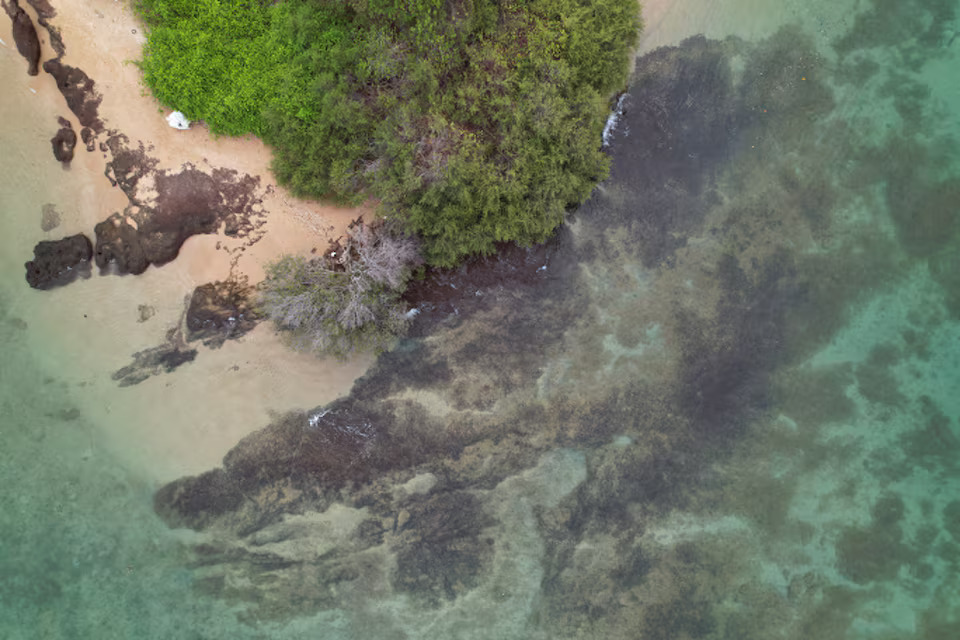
(473, 121)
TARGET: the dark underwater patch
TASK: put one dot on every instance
(876, 552)
(440, 547)
(907, 25)
(682, 110)
(718, 213)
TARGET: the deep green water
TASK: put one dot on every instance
(722, 403)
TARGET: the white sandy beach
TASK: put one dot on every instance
(172, 424)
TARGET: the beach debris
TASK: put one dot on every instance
(178, 121)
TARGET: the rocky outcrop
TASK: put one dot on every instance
(59, 262)
(45, 12)
(64, 142)
(196, 502)
(150, 362)
(220, 311)
(89, 138)
(128, 247)
(118, 245)
(25, 35)
(79, 91)
(214, 313)
(162, 236)
(163, 358)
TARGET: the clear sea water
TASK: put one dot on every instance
(722, 403)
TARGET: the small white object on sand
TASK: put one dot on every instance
(178, 121)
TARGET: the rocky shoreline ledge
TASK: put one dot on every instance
(164, 209)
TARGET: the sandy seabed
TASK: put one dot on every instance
(185, 421)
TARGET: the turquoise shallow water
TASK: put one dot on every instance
(722, 403)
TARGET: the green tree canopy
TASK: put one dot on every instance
(473, 121)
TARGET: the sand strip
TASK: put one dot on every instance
(185, 421)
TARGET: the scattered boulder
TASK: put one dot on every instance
(63, 144)
(49, 217)
(25, 35)
(220, 311)
(59, 262)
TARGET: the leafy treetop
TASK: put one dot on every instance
(473, 121)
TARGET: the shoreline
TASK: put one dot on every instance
(85, 331)
(172, 424)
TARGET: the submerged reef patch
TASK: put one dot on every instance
(667, 422)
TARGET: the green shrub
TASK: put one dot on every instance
(345, 301)
(472, 121)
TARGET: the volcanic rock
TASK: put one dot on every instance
(63, 144)
(118, 243)
(58, 262)
(78, 90)
(220, 311)
(25, 35)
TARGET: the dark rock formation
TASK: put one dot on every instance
(89, 138)
(49, 217)
(196, 501)
(161, 236)
(332, 447)
(150, 362)
(220, 311)
(78, 90)
(64, 142)
(145, 312)
(186, 203)
(59, 262)
(118, 244)
(25, 35)
(160, 359)
(440, 551)
(127, 165)
(157, 240)
(45, 12)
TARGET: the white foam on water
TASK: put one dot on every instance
(614, 120)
